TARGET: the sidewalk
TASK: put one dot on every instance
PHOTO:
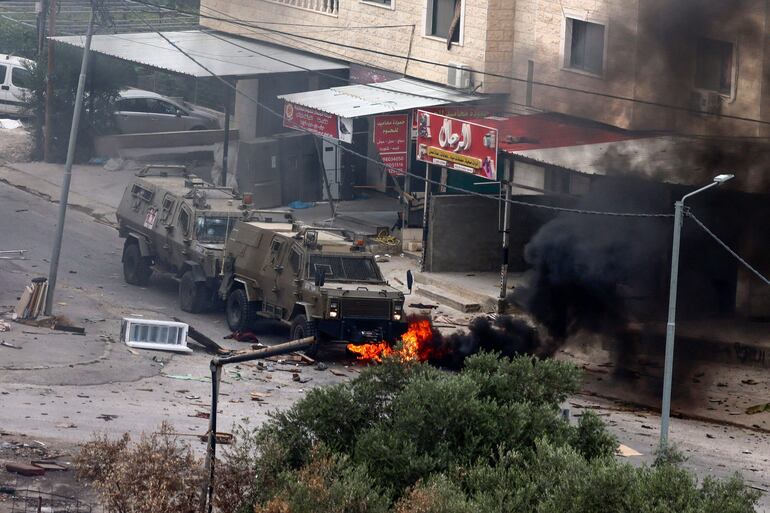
(94, 189)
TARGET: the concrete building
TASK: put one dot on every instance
(693, 55)
(690, 67)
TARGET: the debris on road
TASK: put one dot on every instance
(24, 469)
(758, 408)
(626, 451)
(4, 326)
(188, 377)
(8, 344)
(259, 396)
(221, 437)
(49, 465)
(422, 306)
(107, 417)
(7, 255)
(155, 335)
(203, 340)
(242, 336)
(30, 304)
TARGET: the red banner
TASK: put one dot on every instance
(391, 139)
(461, 112)
(311, 120)
(457, 144)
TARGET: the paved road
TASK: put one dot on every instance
(64, 387)
(58, 380)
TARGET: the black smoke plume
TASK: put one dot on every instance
(501, 334)
(588, 270)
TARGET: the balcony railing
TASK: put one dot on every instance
(328, 7)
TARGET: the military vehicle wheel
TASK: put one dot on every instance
(240, 312)
(300, 328)
(136, 268)
(193, 296)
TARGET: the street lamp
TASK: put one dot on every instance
(671, 325)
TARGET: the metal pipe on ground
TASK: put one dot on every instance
(207, 492)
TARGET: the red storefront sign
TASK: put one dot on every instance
(310, 120)
(457, 144)
(391, 134)
(460, 112)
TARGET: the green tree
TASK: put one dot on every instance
(17, 39)
(106, 76)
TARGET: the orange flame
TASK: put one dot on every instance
(415, 345)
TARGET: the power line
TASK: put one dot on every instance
(727, 248)
(486, 73)
(386, 167)
(309, 25)
(345, 57)
(321, 73)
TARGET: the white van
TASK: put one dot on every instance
(15, 81)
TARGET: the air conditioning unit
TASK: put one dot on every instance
(458, 76)
(707, 102)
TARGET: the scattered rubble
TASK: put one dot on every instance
(32, 300)
(25, 469)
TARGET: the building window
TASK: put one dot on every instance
(443, 19)
(384, 3)
(714, 66)
(584, 46)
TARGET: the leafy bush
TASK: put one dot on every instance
(414, 439)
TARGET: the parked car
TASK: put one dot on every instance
(138, 111)
(15, 81)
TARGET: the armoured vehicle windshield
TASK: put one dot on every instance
(214, 228)
(345, 268)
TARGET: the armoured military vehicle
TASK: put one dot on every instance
(317, 281)
(175, 223)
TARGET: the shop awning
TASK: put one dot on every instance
(224, 55)
(369, 99)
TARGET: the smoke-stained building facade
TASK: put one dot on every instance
(693, 55)
(679, 69)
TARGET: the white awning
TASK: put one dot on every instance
(368, 99)
(224, 55)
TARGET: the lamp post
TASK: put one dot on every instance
(671, 325)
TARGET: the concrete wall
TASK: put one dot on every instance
(463, 232)
(486, 33)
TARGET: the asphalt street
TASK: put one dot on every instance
(65, 387)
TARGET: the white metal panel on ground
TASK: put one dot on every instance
(158, 335)
(219, 54)
(368, 99)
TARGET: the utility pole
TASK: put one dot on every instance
(226, 147)
(49, 82)
(65, 189)
(41, 9)
(506, 183)
(425, 219)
